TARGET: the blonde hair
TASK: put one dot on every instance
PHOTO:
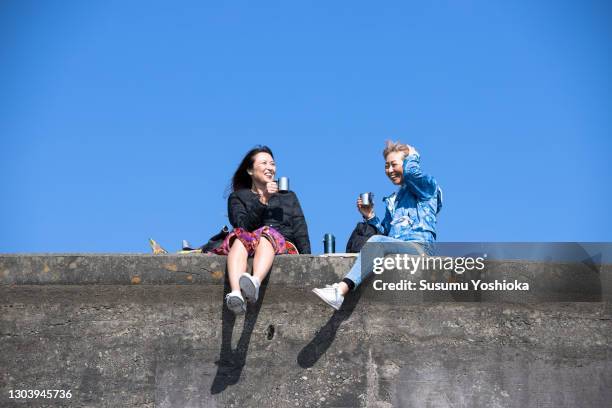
(391, 146)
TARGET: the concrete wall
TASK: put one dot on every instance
(150, 331)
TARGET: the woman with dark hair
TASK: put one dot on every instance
(258, 210)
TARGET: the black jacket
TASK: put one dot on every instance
(282, 213)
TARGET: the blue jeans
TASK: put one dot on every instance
(375, 251)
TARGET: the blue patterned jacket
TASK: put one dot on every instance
(411, 212)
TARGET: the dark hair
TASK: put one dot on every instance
(241, 178)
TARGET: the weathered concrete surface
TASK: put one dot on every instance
(84, 323)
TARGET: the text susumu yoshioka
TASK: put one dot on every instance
(474, 284)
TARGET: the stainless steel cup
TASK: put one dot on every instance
(283, 184)
(366, 199)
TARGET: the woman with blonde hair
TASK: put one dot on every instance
(410, 216)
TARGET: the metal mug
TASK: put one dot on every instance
(329, 243)
(283, 184)
(366, 199)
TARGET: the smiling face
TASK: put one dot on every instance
(394, 167)
(263, 169)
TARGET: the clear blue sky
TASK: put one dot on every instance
(124, 120)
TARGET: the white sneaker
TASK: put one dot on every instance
(250, 287)
(330, 294)
(235, 302)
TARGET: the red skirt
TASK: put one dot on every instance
(250, 240)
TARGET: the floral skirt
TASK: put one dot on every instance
(250, 240)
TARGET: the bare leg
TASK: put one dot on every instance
(262, 262)
(343, 288)
(236, 263)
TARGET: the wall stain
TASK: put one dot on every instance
(171, 267)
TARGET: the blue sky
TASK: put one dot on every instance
(121, 121)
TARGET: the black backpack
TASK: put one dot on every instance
(360, 235)
(216, 240)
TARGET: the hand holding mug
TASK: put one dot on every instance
(367, 211)
(271, 188)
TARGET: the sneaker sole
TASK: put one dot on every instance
(315, 291)
(248, 289)
(236, 306)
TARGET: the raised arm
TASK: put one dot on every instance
(422, 185)
(241, 218)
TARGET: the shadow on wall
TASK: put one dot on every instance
(310, 354)
(231, 361)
